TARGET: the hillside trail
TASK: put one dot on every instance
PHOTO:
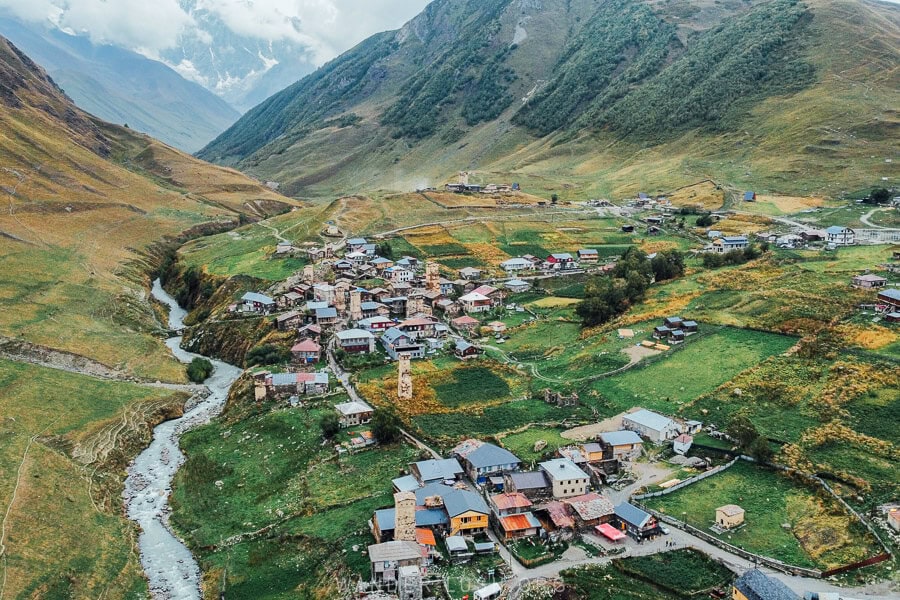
(865, 218)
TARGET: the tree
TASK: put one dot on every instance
(742, 430)
(199, 370)
(668, 264)
(879, 196)
(385, 426)
(385, 250)
(554, 199)
(761, 450)
(267, 354)
(705, 220)
(330, 425)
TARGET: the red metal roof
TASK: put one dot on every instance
(508, 501)
(610, 532)
(306, 346)
(515, 522)
(425, 537)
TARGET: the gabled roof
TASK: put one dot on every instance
(561, 256)
(374, 320)
(529, 480)
(354, 334)
(432, 470)
(837, 229)
(591, 506)
(407, 483)
(458, 502)
(353, 408)
(587, 251)
(563, 468)
(890, 293)
(326, 313)
(650, 419)
(463, 345)
(465, 320)
(394, 551)
(380, 260)
(756, 585)
(356, 241)
(484, 290)
(510, 500)
(473, 297)
(519, 522)
(255, 297)
(287, 316)
(393, 334)
(481, 455)
(621, 438)
(632, 514)
(306, 346)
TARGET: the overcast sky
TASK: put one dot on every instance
(328, 27)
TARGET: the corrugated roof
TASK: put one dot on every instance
(563, 468)
(456, 543)
(530, 480)
(407, 483)
(255, 297)
(353, 334)
(610, 532)
(458, 502)
(591, 506)
(394, 551)
(489, 455)
(512, 500)
(434, 470)
(559, 514)
(519, 522)
(649, 419)
(425, 537)
(632, 514)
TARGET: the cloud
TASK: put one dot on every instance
(325, 27)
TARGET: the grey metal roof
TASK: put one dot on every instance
(650, 419)
(255, 297)
(632, 514)
(489, 455)
(530, 480)
(283, 379)
(563, 468)
(756, 585)
(386, 518)
(356, 241)
(392, 335)
(407, 483)
(620, 438)
(433, 470)
(890, 293)
(325, 313)
(458, 502)
(456, 543)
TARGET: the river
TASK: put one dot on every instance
(170, 568)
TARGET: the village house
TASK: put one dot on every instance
(375, 324)
(396, 342)
(637, 523)
(840, 236)
(868, 281)
(396, 305)
(590, 510)
(682, 444)
(465, 323)
(625, 445)
(651, 425)
(481, 460)
(352, 414)
(398, 275)
(729, 516)
(289, 320)
(730, 243)
(289, 300)
(417, 327)
(560, 261)
(356, 244)
(514, 265)
(556, 521)
(755, 585)
(511, 517)
(374, 309)
(496, 295)
(388, 558)
(467, 513)
(255, 302)
(891, 298)
(356, 341)
(436, 470)
(517, 286)
(470, 273)
(533, 484)
(303, 384)
(565, 477)
(324, 292)
(306, 352)
(380, 263)
(326, 317)
(749, 196)
(463, 350)
(433, 518)
(588, 256)
(473, 302)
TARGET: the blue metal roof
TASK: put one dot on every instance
(489, 455)
(756, 585)
(621, 438)
(458, 502)
(325, 313)
(632, 514)
(434, 470)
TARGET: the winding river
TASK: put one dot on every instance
(170, 568)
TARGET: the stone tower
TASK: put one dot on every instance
(415, 304)
(356, 305)
(432, 277)
(405, 517)
(409, 583)
(404, 377)
(309, 273)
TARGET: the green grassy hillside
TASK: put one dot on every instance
(581, 98)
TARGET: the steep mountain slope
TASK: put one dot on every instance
(88, 211)
(592, 98)
(124, 87)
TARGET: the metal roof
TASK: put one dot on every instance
(649, 419)
(434, 470)
(890, 293)
(519, 522)
(353, 408)
(563, 468)
(458, 502)
(621, 438)
(591, 506)
(255, 297)
(489, 455)
(836, 229)
(407, 483)
(325, 313)
(510, 500)
(354, 334)
(456, 543)
(529, 480)
(632, 514)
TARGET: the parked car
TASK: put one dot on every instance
(665, 530)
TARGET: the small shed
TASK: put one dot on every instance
(488, 592)
(729, 516)
(682, 444)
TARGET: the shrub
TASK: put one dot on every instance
(199, 370)
(330, 425)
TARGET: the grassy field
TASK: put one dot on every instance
(697, 368)
(784, 519)
(522, 444)
(274, 471)
(65, 441)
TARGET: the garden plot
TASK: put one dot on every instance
(785, 519)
